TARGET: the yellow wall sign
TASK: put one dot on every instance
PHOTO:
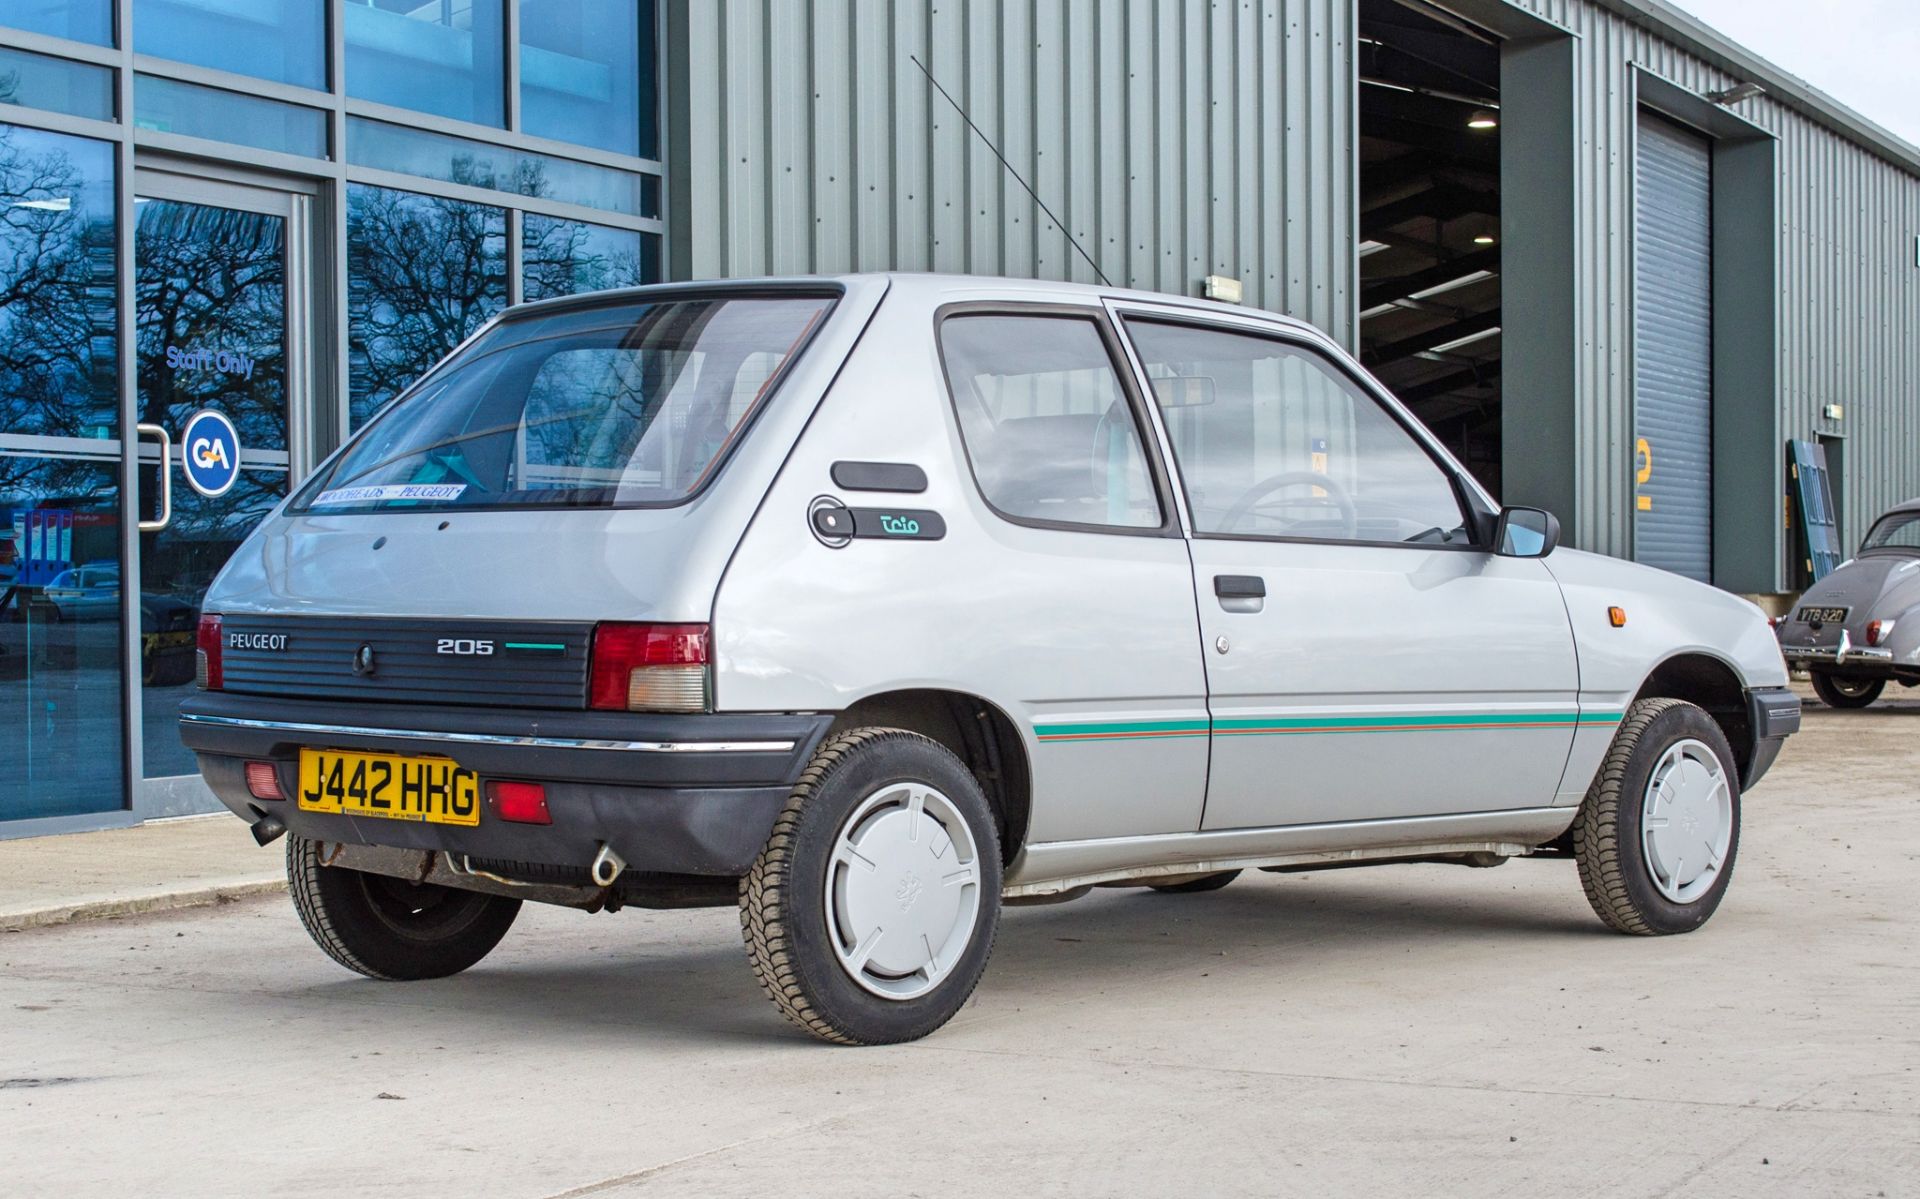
(1642, 471)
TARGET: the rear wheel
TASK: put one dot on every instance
(871, 911)
(1656, 836)
(1841, 691)
(1193, 886)
(389, 928)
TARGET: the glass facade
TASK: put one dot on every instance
(281, 40)
(445, 57)
(60, 510)
(88, 21)
(423, 272)
(41, 81)
(530, 171)
(170, 106)
(580, 73)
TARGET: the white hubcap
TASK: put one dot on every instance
(1686, 823)
(903, 890)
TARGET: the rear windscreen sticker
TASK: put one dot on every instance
(391, 491)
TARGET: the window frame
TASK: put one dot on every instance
(1475, 517)
(1144, 426)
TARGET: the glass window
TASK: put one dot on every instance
(480, 164)
(81, 20)
(282, 40)
(626, 405)
(1272, 440)
(586, 73)
(561, 258)
(57, 356)
(438, 56)
(37, 81)
(169, 106)
(423, 273)
(1900, 530)
(1046, 423)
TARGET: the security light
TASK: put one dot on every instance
(1483, 118)
(1735, 94)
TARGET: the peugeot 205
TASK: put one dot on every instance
(871, 604)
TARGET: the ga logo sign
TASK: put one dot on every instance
(212, 452)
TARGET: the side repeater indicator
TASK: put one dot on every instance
(1617, 617)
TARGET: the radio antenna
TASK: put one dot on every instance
(988, 142)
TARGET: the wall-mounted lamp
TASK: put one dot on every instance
(1483, 118)
(1735, 94)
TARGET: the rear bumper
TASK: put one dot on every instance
(1774, 716)
(695, 794)
(1852, 655)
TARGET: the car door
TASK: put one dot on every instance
(1366, 660)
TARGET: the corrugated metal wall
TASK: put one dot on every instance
(1176, 139)
(1849, 313)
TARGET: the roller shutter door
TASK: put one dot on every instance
(1673, 350)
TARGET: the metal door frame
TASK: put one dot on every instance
(274, 195)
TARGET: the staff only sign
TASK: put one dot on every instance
(210, 448)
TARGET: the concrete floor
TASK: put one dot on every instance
(1424, 1028)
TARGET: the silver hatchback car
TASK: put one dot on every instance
(872, 604)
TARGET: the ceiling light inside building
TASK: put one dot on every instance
(1485, 239)
(1483, 118)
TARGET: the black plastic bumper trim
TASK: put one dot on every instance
(1774, 715)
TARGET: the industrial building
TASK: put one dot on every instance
(1617, 262)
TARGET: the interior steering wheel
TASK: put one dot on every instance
(1336, 495)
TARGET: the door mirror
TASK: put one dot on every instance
(1526, 533)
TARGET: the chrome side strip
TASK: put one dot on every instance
(647, 747)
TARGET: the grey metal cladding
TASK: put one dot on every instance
(1849, 285)
(520, 667)
(1175, 139)
(1673, 348)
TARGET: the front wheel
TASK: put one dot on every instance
(1842, 691)
(1656, 836)
(389, 928)
(871, 911)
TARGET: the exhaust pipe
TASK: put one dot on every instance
(268, 829)
(606, 867)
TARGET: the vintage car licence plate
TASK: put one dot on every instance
(1822, 615)
(434, 790)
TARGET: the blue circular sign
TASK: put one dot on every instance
(211, 449)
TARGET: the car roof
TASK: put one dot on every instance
(926, 287)
(1912, 505)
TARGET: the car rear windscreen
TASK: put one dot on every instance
(617, 406)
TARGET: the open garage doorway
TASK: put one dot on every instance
(1429, 228)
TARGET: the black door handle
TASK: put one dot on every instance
(1239, 586)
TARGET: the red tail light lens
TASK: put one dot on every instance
(263, 782)
(1877, 630)
(649, 668)
(206, 657)
(522, 803)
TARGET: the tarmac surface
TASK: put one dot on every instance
(1427, 1029)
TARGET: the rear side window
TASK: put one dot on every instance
(1901, 530)
(1047, 426)
(632, 405)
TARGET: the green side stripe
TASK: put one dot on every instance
(1143, 729)
(549, 645)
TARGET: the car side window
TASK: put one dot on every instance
(1272, 440)
(1046, 423)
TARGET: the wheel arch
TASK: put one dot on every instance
(1713, 684)
(980, 734)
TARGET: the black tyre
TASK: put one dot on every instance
(1194, 886)
(389, 928)
(1841, 691)
(871, 912)
(1658, 832)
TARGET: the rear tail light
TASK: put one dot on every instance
(263, 782)
(649, 668)
(522, 803)
(1878, 630)
(206, 657)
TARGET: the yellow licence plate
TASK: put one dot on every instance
(435, 790)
